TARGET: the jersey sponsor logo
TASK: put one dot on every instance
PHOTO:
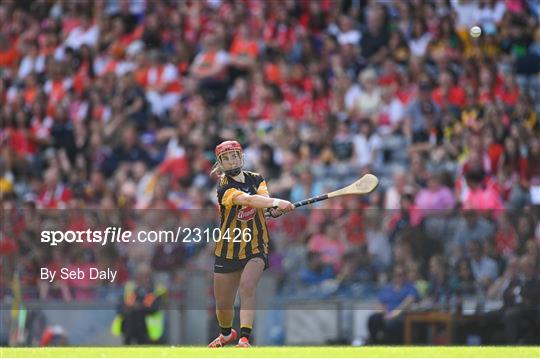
(246, 214)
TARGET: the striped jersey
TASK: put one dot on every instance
(238, 221)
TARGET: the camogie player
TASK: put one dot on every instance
(241, 254)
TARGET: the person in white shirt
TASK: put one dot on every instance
(163, 84)
(490, 14)
(393, 195)
(86, 33)
(420, 38)
(369, 100)
(347, 34)
(32, 62)
(367, 145)
(466, 11)
(391, 113)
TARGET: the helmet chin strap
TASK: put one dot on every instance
(233, 172)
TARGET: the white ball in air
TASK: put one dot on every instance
(476, 31)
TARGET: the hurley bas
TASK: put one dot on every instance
(77, 273)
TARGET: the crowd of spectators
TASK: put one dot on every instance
(113, 106)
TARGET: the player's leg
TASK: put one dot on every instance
(248, 285)
(225, 288)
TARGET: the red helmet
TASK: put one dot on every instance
(227, 146)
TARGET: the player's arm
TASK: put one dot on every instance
(233, 196)
(261, 201)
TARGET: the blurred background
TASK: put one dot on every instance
(110, 112)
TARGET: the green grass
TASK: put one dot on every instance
(274, 352)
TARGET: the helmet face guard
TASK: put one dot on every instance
(229, 148)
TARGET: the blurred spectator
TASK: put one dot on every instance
(375, 35)
(479, 196)
(369, 99)
(141, 319)
(505, 239)
(270, 169)
(136, 106)
(483, 267)
(210, 70)
(402, 253)
(85, 33)
(33, 62)
(316, 271)
(448, 94)
(393, 194)
(54, 194)
(162, 83)
(391, 113)
(378, 246)
(435, 197)
(438, 294)
(394, 298)
(306, 187)
(244, 51)
(462, 281)
(518, 319)
(330, 245)
(420, 37)
(128, 151)
(423, 117)
(512, 271)
(357, 268)
(472, 226)
(414, 275)
(367, 145)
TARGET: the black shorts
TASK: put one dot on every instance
(224, 265)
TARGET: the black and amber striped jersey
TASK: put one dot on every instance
(237, 221)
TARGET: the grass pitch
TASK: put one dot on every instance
(273, 352)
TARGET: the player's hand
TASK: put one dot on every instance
(273, 212)
(285, 206)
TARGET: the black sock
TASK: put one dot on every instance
(225, 331)
(245, 332)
